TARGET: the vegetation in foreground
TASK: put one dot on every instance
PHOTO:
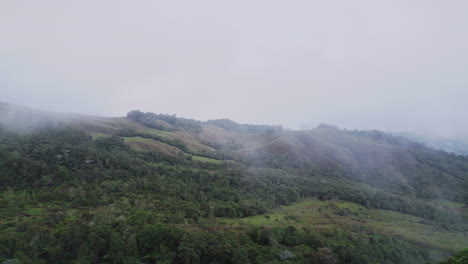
(459, 258)
(68, 197)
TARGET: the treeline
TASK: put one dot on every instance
(243, 128)
(176, 123)
(179, 123)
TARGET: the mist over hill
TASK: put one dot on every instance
(454, 144)
(307, 132)
(156, 183)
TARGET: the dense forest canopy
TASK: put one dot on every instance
(154, 188)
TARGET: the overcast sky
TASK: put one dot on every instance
(391, 65)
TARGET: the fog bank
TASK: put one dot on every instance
(388, 65)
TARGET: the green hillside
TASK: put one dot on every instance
(151, 188)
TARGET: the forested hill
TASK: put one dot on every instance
(155, 188)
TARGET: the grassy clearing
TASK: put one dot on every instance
(446, 203)
(326, 215)
(96, 135)
(137, 142)
(204, 159)
(157, 132)
(148, 144)
(414, 228)
(138, 139)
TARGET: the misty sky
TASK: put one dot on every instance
(390, 65)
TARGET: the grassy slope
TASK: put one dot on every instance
(100, 127)
(328, 215)
(146, 144)
(204, 159)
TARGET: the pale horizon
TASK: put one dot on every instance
(389, 65)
